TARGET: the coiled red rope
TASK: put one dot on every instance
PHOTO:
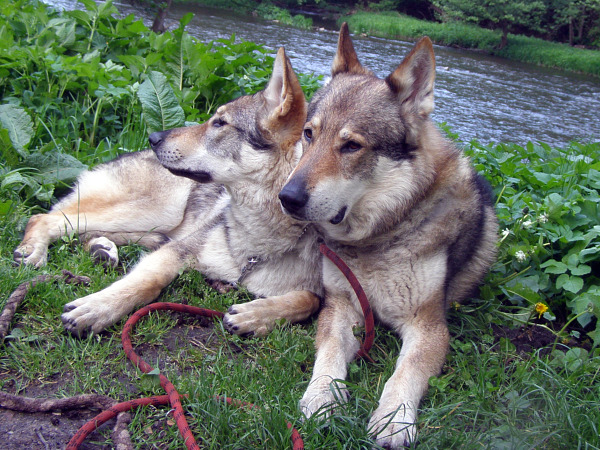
(173, 398)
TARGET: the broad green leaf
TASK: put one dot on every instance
(62, 31)
(553, 266)
(570, 283)
(595, 335)
(19, 126)
(187, 18)
(15, 177)
(8, 151)
(159, 105)
(582, 269)
(83, 17)
(135, 63)
(54, 167)
(6, 207)
(90, 5)
(582, 302)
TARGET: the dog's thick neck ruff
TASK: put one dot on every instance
(253, 261)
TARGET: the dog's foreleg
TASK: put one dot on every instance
(424, 346)
(95, 312)
(259, 316)
(336, 347)
(41, 230)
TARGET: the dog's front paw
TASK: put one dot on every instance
(257, 317)
(90, 314)
(321, 398)
(104, 251)
(31, 254)
(394, 428)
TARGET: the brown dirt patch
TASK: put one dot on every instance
(49, 431)
(526, 339)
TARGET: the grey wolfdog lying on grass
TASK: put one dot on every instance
(205, 199)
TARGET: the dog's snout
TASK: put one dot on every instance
(294, 196)
(156, 138)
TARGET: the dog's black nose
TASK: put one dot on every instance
(156, 138)
(294, 196)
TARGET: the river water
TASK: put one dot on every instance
(480, 97)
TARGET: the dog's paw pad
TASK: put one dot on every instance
(104, 252)
(229, 325)
(394, 428)
(69, 307)
(30, 255)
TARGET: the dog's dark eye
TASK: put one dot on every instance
(218, 123)
(308, 134)
(351, 146)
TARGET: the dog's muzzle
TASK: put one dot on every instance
(294, 197)
(157, 138)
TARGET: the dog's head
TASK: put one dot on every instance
(246, 138)
(362, 140)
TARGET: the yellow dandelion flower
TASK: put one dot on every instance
(540, 308)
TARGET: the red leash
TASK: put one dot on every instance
(173, 397)
(362, 298)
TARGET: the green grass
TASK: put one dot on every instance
(488, 394)
(519, 48)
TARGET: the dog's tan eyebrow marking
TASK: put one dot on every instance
(345, 134)
(314, 123)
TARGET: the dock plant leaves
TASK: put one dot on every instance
(159, 105)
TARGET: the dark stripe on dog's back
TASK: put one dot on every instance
(461, 251)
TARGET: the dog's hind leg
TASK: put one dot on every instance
(133, 194)
(259, 316)
(425, 341)
(95, 312)
(103, 246)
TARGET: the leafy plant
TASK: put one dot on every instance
(549, 211)
(75, 85)
(269, 11)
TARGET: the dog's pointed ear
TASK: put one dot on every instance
(346, 60)
(414, 78)
(283, 93)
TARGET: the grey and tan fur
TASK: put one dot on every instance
(405, 210)
(222, 217)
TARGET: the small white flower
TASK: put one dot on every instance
(543, 218)
(505, 233)
(527, 223)
(521, 256)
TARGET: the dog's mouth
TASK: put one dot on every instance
(200, 177)
(339, 216)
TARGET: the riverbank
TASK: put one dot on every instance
(265, 10)
(392, 25)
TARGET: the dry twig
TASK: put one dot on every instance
(17, 297)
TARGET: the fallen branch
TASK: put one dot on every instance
(17, 297)
(33, 405)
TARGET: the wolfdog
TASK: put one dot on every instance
(206, 199)
(406, 211)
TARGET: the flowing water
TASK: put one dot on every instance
(480, 97)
